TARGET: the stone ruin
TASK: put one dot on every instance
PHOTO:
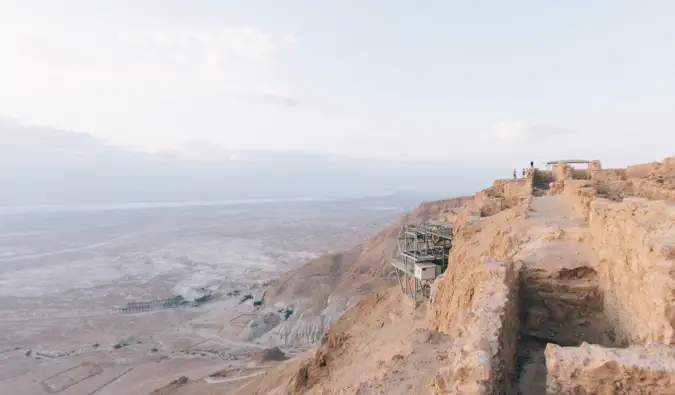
(575, 301)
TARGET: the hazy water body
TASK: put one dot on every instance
(95, 257)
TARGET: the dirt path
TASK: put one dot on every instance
(559, 299)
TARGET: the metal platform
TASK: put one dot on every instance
(422, 245)
(428, 242)
(402, 266)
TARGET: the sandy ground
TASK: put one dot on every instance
(386, 350)
(129, 353)
(63, 275)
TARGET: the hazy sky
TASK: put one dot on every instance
(464, 81)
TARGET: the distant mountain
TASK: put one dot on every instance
(48, 166)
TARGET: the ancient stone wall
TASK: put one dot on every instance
(477, 303)
(561, 171)
(608, 174)
(653, 189)
(654, 181)
(512, 190)
(564, 171)
(478, 307)
(542, 178)
(580, 174)
(642, 170)
(595, 165)
(591, 369)
(580, 194)
(503, 194)
(633, 240)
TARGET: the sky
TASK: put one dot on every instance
(457, 83)
(48, 166)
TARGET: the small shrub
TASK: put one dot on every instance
(120, 345)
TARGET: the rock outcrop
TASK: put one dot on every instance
(591, 369)
(483, 317)
(635, 243)
(271, 354)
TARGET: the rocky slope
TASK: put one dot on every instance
(319, 292)
(560, 283)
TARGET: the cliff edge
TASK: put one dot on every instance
(320, 291)
(558, 283)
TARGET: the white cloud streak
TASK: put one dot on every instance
(86, 55)
(519, 131)
(135, 86)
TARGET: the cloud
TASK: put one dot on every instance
(519, 131)
(290, 39)
(230, 43)
(141, 86)
(72, 52)
(271, 98)
(53, 59)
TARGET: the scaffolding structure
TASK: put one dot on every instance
(423, 253)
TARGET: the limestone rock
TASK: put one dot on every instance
(271, 354)
(592, 369)
(485, 326)
(637, 273)
(260, 326)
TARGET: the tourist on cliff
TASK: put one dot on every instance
(532, 164)
(523, 173)
(515, 175)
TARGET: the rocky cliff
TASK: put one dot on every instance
(320, 291)
(561, 283)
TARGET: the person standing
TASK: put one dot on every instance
(523, 173)
(515, 175)
(532, 164)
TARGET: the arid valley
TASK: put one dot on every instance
(64, 275)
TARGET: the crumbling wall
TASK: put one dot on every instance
(635, 245)
(580, 194)
(592, 369)
(654, 187)
(542, 178)
(668, 164)
(580, 174)
(514, 191)
(594, 165)
(654, 181)
(561, 171)
(503, 194)
(476, 303)
(608, 175)
(487, 203)
(478, 306)
(642, 170)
